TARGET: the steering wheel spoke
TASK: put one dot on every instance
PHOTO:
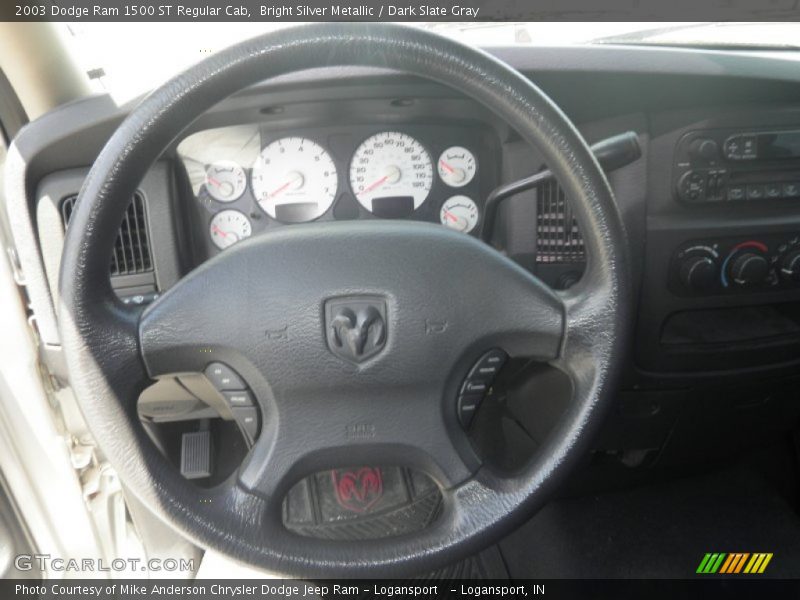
(390, 428)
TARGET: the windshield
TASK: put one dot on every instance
(128, 59)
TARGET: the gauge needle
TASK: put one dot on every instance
(219, 231)
(214, 182)
(451, 216)
(446, 166)
(372, 186)
(294, 179)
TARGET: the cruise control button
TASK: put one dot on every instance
(247, 419)
(474, 387)
(488, 365)
(239, 398)
(223, 377)
(467, 407)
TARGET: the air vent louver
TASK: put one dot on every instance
(132, 248)
(558, 239)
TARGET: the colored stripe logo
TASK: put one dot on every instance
(734, 563)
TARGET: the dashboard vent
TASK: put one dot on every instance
(132, 249)
(558, 239)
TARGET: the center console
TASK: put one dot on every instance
(721, 283)
(738, 265)
(734, 165)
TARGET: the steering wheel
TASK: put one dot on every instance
(318, 409)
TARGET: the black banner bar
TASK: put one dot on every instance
(400, 10)
(705, 588)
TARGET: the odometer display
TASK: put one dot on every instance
(390, 170)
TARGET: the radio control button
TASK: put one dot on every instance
(736, 193)
(755, 192)
(733, 148)
(773, 190)
(692, 186)
(749, 147)
(791, 190)
(704, 149)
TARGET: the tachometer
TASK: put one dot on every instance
(225, 181)
(228, 227)
(294, 180)
(391, 174)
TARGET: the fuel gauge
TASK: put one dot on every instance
(225, 181)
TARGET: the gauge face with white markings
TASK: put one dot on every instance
(459, 213)
(225, 181)
(391, 174)
(457, 166)
(228, 227)
(294, 180)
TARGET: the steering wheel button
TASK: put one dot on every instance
(247, 419)
(495, 357)
(488, 365)
(238, 398)
(467, 407)
(472, 386)
(223, 377)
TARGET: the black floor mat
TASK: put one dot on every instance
(659, 531)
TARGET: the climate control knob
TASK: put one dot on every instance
(790, 266)
(749, 268)
(698, 272)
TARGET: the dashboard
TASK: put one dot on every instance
(248, 179)
(711, 209)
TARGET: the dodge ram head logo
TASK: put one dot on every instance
(356, 327)
(358, 490)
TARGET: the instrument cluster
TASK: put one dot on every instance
(246, 179)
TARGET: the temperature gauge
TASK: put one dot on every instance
(457, 166)
(228, 227)
(459, 213)
(225, 181)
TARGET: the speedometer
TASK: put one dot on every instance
(391, 174)
(294, 180)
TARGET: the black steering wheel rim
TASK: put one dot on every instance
(107, 343)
